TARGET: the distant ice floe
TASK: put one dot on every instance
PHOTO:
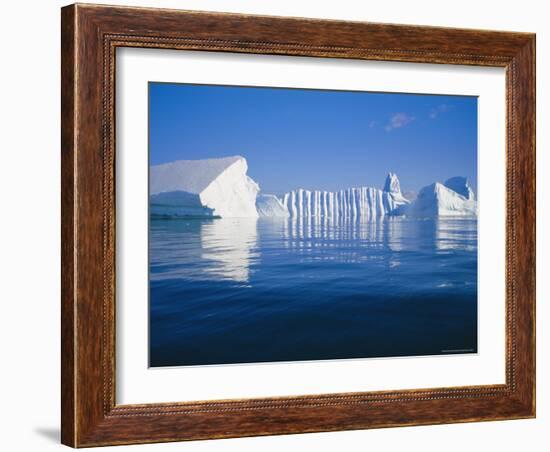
(221, 188)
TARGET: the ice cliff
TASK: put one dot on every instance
(357, 202)
(211, 187)
(454, 198)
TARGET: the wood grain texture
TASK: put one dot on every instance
(90, 36)
(68, 147)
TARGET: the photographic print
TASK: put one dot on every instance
(294, 224)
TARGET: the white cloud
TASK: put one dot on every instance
(399, 120)
(443, 108)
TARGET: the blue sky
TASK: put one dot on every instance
(317, 139)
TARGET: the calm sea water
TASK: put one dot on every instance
(241, 290)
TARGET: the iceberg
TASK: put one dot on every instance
(221, 188)
(211, 187)
(392, 184)
(454, 198)
(270, 206)
(356, 202)
(461, 186)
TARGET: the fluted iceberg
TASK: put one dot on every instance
(356, 202)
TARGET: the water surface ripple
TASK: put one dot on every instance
(245, 290)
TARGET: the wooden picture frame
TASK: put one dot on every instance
(90, 36)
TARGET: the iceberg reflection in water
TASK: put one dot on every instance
(287, 289)
(202, 249)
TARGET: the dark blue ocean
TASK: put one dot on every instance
(243, 290)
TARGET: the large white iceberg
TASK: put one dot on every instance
(454, 198)
(356, 202)
(211, 187)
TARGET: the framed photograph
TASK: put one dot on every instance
(281, 225)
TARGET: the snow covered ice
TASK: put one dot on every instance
(454, 198)
(392, 184)
(356, 202)
(220, 187)
(460, 185)
(210, 187)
